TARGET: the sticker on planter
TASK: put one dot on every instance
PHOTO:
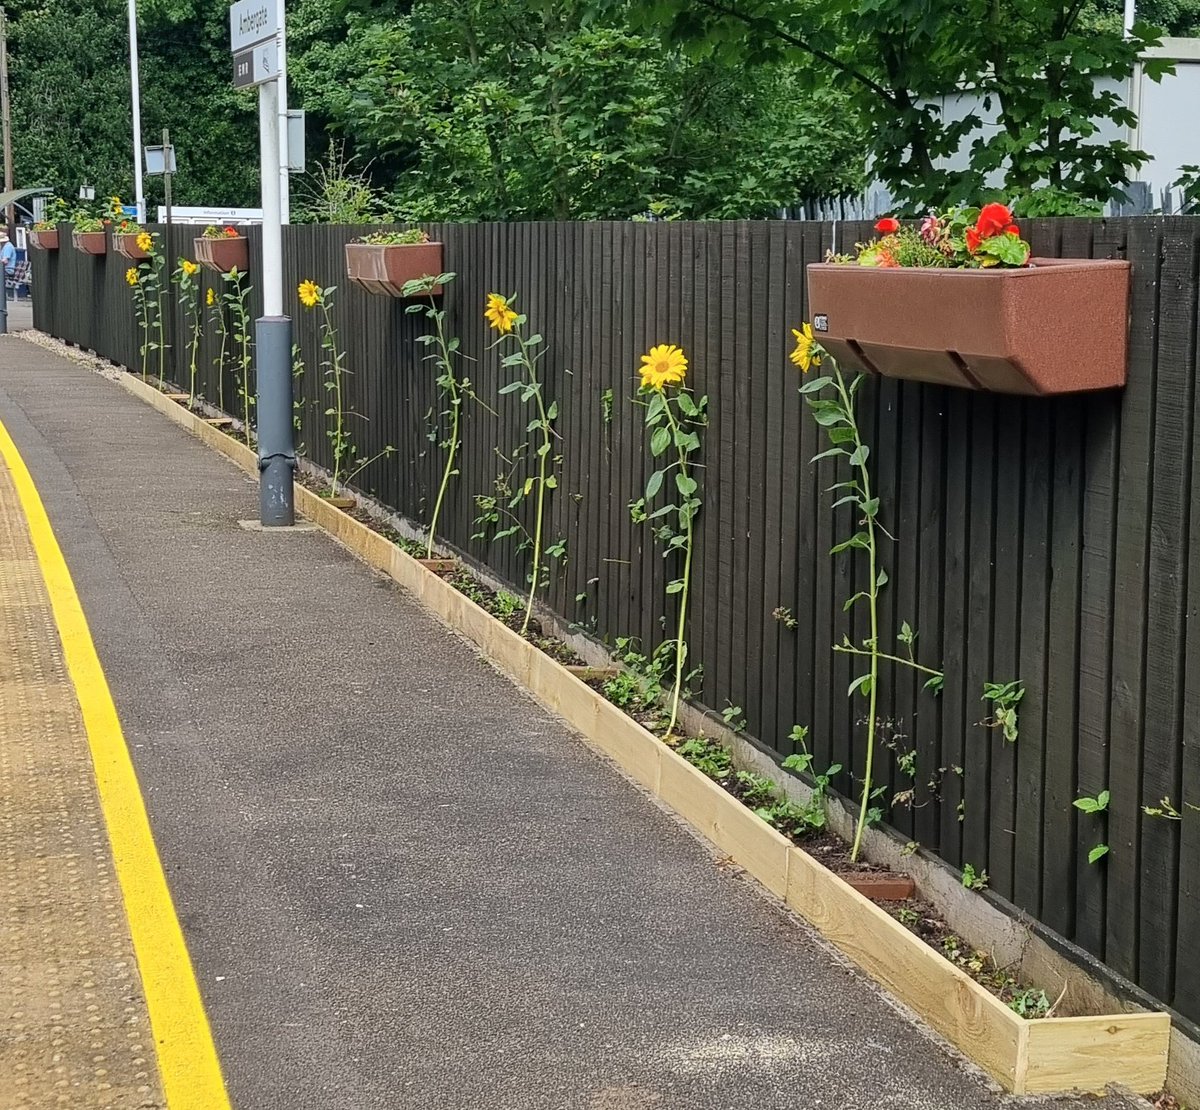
(820, 322)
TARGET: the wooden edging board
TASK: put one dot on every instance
(1051, 1055)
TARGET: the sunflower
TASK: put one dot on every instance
(665, 364)
(131, 275)
(145, 241)
(808, 352)
(188, 267)
(499, 313)
(211, 298)
(310, 294)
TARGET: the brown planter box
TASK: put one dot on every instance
(126, 244)
(880, 886)
(90, 242)
(384, 270)
(224, 254)
(1057, 326)
(44, 240)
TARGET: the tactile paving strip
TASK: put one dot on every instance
(74, 1031)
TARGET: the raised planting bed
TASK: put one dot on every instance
(1055, 326)
(224, 255)
(126, 243)
(44, 240)
(90, 242)
(1082, 1052)
(384, 269)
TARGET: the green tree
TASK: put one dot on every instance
(71, 102)
(1036, 64)
(530, 110)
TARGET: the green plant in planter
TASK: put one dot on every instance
(86, 222)
(150, 288)
(145, 281)
(408, 238)
(234, 297)
(452, 388)
(509, 324)
(216, 309)
(836, 412)
(346, 463)
(54, 213)
(675, 419)
(189, 296)
(133, 278)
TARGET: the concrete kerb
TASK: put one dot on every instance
(1089, 1053)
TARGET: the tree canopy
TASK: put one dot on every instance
(584, 109)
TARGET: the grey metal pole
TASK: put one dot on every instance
(276, 450)
(167, 172)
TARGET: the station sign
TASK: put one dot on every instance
(257, 65)
(252, 22)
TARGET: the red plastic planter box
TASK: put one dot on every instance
(384, 269)
(90, 242)
(1056, 326)
(225, 254)
(127, 245)
(44, 240)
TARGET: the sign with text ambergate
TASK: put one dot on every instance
(251, 22)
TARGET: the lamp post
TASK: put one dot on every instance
(135, 84)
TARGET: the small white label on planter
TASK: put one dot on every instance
(820, 322)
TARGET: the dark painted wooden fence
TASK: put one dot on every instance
(1052, 541)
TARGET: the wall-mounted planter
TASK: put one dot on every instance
(44, 240)
(384, 270)
(224, 254)
(90, 242)
(1056, 326)
(126, 244)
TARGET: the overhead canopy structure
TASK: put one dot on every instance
(14, 195)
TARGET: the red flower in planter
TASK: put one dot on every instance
(993, 219)
(1012, 229)
(231, 232)
(889, 225)
(974, 238)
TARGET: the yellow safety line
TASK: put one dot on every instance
(187, 1057)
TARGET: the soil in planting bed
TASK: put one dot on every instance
(622, 692)
(922, 920)
(509, 609)
(834, 853)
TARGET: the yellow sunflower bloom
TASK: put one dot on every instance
(808, 352)
(499, 313)
(665, 365)
(188, 267)
(145, 241)
(310, 294)
(131, 275)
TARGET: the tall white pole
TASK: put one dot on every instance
(285, 182)
(272, 233)
(273, 338)
(135, 83)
